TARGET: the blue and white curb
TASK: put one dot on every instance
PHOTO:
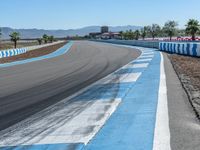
(117, 112)
(18, 51)
(58, 52)
(12, 52)
(190, 49)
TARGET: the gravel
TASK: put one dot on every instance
(188, 71)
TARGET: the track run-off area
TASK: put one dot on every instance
(95, 96)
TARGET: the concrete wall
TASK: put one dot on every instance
(12, 52)
(183, 48)
(149, 44)
(190, 49)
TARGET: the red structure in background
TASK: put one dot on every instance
(182, 39)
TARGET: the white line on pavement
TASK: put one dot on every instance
(143, 60)
(147, 53)
(123, 78)
(147, 56)
(162, 132)
(142, 65)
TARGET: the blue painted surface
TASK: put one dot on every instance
(171, 47)
(194, 49)
(105, 91)
(174, 48)
(131, 127)
(59, 52)
(179, 49)
(45, 147)
(168, 47)
(183, 46)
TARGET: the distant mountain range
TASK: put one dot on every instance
(36, 33)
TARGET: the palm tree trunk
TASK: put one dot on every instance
(15, 44)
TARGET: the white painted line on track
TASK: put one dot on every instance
(147, 56)
(143, 60)
(131, 77)
(162, 132)
(147, 53)
(123, 78)
(133, 66)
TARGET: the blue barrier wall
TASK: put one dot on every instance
(191, 49)
(12, 52)
(149, 44)
(183, 48)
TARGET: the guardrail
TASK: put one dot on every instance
(12, 52)
(190, 49)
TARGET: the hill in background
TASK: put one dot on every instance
(36, 33)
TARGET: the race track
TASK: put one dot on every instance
(29, 88)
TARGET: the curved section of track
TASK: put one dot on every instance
(29, 88)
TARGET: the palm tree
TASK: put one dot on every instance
(125, 35)
(15, 36)
(192, 28)
(51, 38)
(137, 34)
(154, 30)
(170, 28)
(144, 32)
(130, 35)
(121, 34)
(39, 41)
(45, 38)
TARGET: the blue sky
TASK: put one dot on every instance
(65, 14)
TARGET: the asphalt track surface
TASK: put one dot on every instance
(29, 88)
